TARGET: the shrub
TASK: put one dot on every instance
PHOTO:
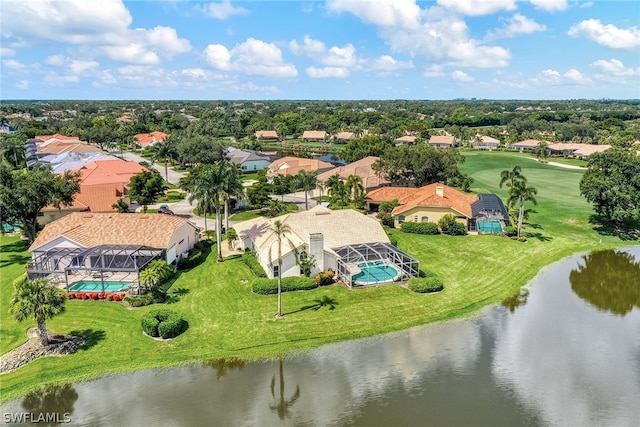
(250, 261)
(164, 323)
(138, 300)
(510, 231)
(110, 297)
(264, 286)
(94, 296)
(325, 278)
(449, 225)
(426, 273)
(385, 218)
(425, 285)
(420, 227)
(458, 229)
(102, 295)
(156, 273)
(72, 295)
(194, 259)
(116, 297)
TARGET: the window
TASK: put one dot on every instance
(401, 219)
(276, 270)
(415, 218)
(425, 219)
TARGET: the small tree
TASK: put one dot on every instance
(120, 206)
(156, 273)
(39, 299)
(521, 194)
(231, 236)
(146, 186)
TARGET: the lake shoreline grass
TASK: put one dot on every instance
(226, 320)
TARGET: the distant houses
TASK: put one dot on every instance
(314, 135)
(406, 139)
(578, 150)
(343, 137)
(485, 143)
(443, 141)
(525, 145)
(248, 160)
(294, 165)
(147, 139)
(362, 168)
(267, 135)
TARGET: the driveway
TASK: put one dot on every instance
(174, 177)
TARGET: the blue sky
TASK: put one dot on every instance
(335, 49)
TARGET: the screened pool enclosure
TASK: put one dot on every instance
(374, 263)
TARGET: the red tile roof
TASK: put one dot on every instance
(150, 138)
(362, 168)
(442, 140)
(109, 172)
(293, 165)
(58, 147)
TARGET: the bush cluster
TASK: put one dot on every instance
(325, 278)
(449, 225)
(196, 256)
(250, 261)
(164, 323)
(138, 300)
(420, 227)
(264, 286)
(510, 231)
(425, 284)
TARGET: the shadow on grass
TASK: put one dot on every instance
(91, 337)
(14, 259)
(538, 236)
(325, 301)
(624, 231)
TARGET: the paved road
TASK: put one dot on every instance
(174, 177)
(561, 165)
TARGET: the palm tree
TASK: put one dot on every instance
(232, 187)
(39, 299)
(521, 194)
(511, 176)
(208, 190)
(166, 151)
(354, 184)
(542, 150)
(280, 230)
(283, 405)
(307, 181)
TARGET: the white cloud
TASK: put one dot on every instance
(385, 13)
(134, 53)
(461, 76)
(107, 78)
(309, 47)
(478, 7)
(253, 57)
(77, 66)
(12, 65)
(388, 63)
(615, 68)
(5, 51)
(23, 84)
(60, 80)
(572, 76)
(435, 70)
(607, 35)
(576, 77)
(336, 57)
(327, 72)
(341, 56)
(516, 25)
(196, 73)
(166, 39)
(550, 5)
(250, 86)
(223, 10)
(55, 60)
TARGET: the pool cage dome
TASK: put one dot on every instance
(350, 256)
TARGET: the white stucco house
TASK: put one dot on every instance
(338, 240)
(248, 160)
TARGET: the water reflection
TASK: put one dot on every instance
(610, 280)
(282, 406)
(52, 402)
(517, 300)
(222, 366)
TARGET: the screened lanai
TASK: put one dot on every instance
(105, 262)
(374, 263)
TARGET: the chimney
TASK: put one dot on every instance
(440, 190)
(316, 249)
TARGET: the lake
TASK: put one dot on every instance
(564, 352)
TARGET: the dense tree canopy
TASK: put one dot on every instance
(359, 148)
(612, 184)
(146, 187)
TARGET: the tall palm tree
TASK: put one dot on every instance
(232, 187)
(39, 299)
(521, 194)
(280, 230)
(307, 181)
(354, 184)
(332, 183)
(511, 176)
(166, 151)
(208, 190)
(542, 150)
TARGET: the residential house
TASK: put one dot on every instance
(432, 202)
(6, 128)
(362, 168)
(577, 149)
(293, 165)
(443, 141)
(314, 135)
(85, 244)
(406, 139)
(248, 160)
(72, 160)
(525, 145)
(267, 135)
(147, 139)
(343, 137)
(485, 142)
(102, 184)
(328, 237)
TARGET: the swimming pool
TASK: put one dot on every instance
(375, 272)
(489, 227)
(96, 286)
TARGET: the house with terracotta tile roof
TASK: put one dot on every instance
(485, 142)
(406, 139)
(362, 168)
(107, 246)
(102, 184)
(293, 165)
(525, 145)
(147, 139)
(443, 141)
(431, 202)
(343, 136)
(328, 236)
(577, 149)
(265, 135)
(314, 135)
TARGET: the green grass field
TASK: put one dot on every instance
(227, 320)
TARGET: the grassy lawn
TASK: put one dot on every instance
(246, 215)
(251, 176)
(227, 320)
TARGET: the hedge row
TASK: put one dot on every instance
(197, 255)
(138, 300)
(250, 261)
(264, 286)
(425, 285)
(164, 323)
(420, 227)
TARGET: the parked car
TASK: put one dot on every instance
(162, 208)
(166, 211)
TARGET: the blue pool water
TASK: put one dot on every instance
(96, 286)
(489, 227)
(375, 271)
